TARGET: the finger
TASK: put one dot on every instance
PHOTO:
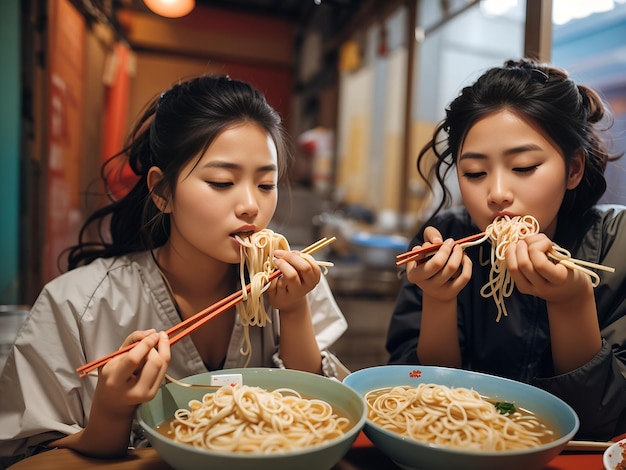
(134, 359)
(432, 235)
(155, 367)
(293, 265)
(137, 336)
(462, 276)
(545, 268)
(454, 266)
(524, 271)
(152, 373)
(163, 347)
(297, 260)
(420, 258)
(435, 264)
(288, 271)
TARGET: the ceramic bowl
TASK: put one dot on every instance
(614, 455)
(186, 457)
(412, 454)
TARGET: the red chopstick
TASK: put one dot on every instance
(412, 255)
(194, 322)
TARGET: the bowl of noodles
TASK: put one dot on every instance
(253, 418)
(429, 418)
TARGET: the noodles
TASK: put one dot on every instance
(257, 254)
(504, 231)
(452, 417)
(253, 420)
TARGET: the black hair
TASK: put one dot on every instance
(567, 112)
(175, 127)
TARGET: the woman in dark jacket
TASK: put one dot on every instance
(523, 141)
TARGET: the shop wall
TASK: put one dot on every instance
(251, 48)
(370, 130)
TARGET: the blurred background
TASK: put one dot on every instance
(360, 84)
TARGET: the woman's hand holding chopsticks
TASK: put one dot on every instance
(124, 382)
(447, 270)
(131, 379)
(300, 274)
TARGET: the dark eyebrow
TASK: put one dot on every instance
(234, 166)
(508, 152)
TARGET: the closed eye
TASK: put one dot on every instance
(219, 185)
(526, 169)
(474, 175)
(267, 187)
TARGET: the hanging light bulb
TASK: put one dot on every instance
(171, 8)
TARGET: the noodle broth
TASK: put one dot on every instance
(457, 418)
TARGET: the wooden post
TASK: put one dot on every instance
(538, 30)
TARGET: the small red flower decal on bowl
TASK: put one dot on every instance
(415, 374)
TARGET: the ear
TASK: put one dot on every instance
(155, 176)
(576, 169)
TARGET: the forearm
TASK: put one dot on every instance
(105, 436)
(298, 346)
(574, 331)
(439, 335)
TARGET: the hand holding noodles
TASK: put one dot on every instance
(504, 231)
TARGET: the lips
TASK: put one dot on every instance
(243, 237)
(510, 215)
(245, 234)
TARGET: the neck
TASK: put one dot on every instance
(195, 283)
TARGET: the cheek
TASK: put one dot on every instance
(268, 207)
(470, 193)
(196, 200)
(548, 187)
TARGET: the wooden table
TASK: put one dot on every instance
(362, 456)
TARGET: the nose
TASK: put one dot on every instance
(499, 191)
(247, 204)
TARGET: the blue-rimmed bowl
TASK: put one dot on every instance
(186, 457)
(411, 454)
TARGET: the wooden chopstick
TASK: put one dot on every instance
(588, 446)
(412, 255)
(185, 327)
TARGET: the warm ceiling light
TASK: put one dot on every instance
(171, 8)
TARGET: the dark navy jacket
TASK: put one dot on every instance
(518, 346)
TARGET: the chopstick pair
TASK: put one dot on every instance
(192, 323)
(415, 254)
